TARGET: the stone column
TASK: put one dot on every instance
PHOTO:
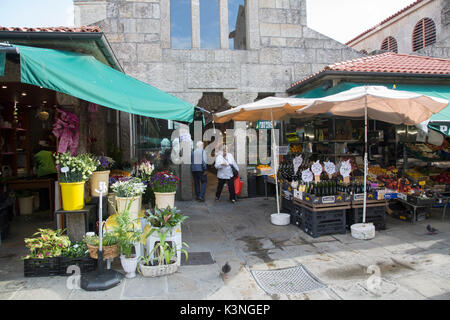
(165, 23)
(223, 18)
(195, 23)
(252, 21)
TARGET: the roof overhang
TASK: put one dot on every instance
(370, 77)
(93, 43)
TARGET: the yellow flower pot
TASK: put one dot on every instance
(72, 195)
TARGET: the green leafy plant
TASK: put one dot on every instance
(75, 168)
(126, 233)
(168, 217)
(126, 188)
(164, 252)
(108, 239)
(76, 250)
(47, 243)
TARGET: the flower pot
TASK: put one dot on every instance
(136, 204)
(26, 205)
(164, 199)
(129, 266)
(72, 195)
(96, 178)
(109, 252)
(157, 271)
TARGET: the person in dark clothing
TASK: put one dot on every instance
(198, 168)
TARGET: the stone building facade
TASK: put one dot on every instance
(279, 48)
(402, 25)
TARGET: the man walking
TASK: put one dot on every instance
(198, 168)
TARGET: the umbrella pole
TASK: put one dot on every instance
(365, 160)
(275, 163)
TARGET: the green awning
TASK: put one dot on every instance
(439, 91)
(2, 63)
(86, 78)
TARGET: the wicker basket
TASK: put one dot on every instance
(157, 271)
(109, 252)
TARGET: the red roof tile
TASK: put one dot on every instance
(389, 62)
(52, 29)
(386, 20)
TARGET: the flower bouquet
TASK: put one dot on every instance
(129, 190)
(143, 170)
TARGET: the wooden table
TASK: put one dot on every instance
(35, 183)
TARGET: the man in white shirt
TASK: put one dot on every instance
(223, 164)
(198, 168)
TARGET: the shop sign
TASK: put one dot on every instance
(263, 124)
(441, 127)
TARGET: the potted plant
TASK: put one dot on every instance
(26, 202)
(45, 247)
(143, 170)
(74, 172)
(127, 237)
(77, 254)
(101, 174)
(128, 192)
(162, 259)
(169, 219)
(110, 245)
(164, 185)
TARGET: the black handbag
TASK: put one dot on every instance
(235, 172)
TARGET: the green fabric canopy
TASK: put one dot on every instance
(86, 78)
(2, 63)
(438, 91)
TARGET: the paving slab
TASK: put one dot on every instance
(427, 284)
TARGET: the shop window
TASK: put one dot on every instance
(389, 44)
(424, 34)
(209, 24)
(236, 24)
(180, 24)
(147, 136)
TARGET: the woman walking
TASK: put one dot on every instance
(225, 164)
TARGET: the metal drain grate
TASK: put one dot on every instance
(197, 258)
(287, 281)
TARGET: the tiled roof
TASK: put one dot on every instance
(53, 29)
(389, 62)
(386, 20)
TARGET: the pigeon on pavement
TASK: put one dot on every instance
(226, 268)
(431, 230)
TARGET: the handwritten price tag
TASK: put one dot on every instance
(307, 176)
(330, 167)
(317, 168)
(346, 168)
(64, 169)
(297, 163)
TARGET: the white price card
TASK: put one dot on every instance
(307, 176)
(346, 168)
(297, 163)
(317, 168)
(330, 167)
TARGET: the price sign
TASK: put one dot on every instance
(297, 163)
(307, 175)
(317, 168)
(346, 168)
(330, 167)
(64, 169)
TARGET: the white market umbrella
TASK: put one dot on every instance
(377, 103)
(270, 108)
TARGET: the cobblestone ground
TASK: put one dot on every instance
(412, 263)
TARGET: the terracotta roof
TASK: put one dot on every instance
(386, 20)
(389, 62)
(52, 29)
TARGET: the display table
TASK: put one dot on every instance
(36, 183)
(77, 221)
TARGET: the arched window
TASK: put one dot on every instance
(424, 34)
(389, 44)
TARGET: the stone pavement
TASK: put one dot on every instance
(412, 264)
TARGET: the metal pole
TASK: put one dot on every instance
(275, 162)
(365, 158)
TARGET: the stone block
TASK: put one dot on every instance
(156, 10)
(328, 56)
(270, 56)
(126, 10)
(294, 16)
(291, 55)
(277, 42)
(310, 33)
(291, 30)
(295, 43)
(149, 52)
(269, 78)
(148, 25)
(316, 67)
(314, 43)
(87, 13)
(269, 29)
(125, 51)
(166, 76)
(302, 70)
(267, 4)
(265, 41)
(212, 76)
(170, 55)
(272, 15)
(112, 10)
(134, 37)
(127, 26)
(252, 56)
(152, 37)
(198, 55)
(222, 56)
(282, 4)
(349, 54)
(143, 10)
